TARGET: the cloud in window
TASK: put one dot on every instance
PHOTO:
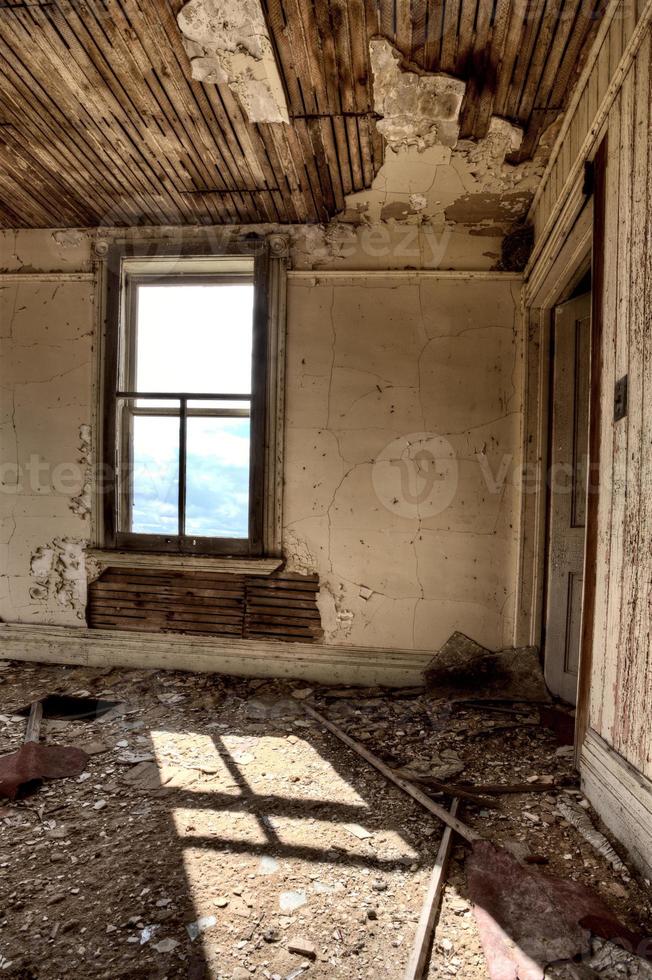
(217, 488)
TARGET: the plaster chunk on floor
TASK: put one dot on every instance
(58, 572)
(228, 43)
(416, 108)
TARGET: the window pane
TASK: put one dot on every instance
(217, 477)
(154, 498)
(194, 338)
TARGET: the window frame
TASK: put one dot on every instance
(262, 540)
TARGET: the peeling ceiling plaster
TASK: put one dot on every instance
(429, 174)
(416, 108)
(227, 43)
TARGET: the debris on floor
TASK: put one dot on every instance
(25, 769)
(212, 837)
(579, 818)
(462, 665)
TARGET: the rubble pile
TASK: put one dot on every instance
(219, 832)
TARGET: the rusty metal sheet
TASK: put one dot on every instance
(528, 920)
(33, 763)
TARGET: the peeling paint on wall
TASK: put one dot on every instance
(81, 504)
(69, 238)
(297, 554)
(58, 572)
(337, 618)
(227, 43)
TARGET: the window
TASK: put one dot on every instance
(186, 402)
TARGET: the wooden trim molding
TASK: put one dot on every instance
(554, 284)
(37, 277)
(621, 796)
(379, 276)
(316, 662)
(271, 257)
(105, 558)
(591, 545)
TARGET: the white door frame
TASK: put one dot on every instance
(550, 283)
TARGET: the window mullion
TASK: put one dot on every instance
(183, 433)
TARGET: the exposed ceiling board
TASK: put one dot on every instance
(108, 126)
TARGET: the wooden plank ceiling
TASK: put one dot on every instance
(101, 124)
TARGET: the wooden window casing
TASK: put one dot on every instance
(118, 378)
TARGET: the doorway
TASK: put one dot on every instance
(567, 491)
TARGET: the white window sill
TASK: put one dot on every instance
(205, 563)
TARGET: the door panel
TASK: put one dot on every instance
(568, 474)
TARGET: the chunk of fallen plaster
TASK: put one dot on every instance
(360, 832)
(195, 929)
(291, 901)
(302, 947)
(227, 43)
(165, 945)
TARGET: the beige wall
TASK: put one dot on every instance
(372, 365)
(370, 360)
(46, 335)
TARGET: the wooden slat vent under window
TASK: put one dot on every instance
(282, 606)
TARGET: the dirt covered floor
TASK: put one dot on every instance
(217, 832)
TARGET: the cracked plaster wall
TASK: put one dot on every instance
(367, 365)
(45, 396)
(367, 362)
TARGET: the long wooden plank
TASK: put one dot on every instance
(416, 964)
(549, 41)
(631, 727)
(527, 47)
(511, 53)
(619, 355)
(178, 603)
(205, 596)
(467, 833)
(611, 238)
(140, 626)
(468, 13)
(640, 737)
(42, 122)
(485, 104)
(50, 74)
(480, 61)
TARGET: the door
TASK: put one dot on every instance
(568, 473)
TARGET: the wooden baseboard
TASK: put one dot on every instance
(245, 658)
(622, 797)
